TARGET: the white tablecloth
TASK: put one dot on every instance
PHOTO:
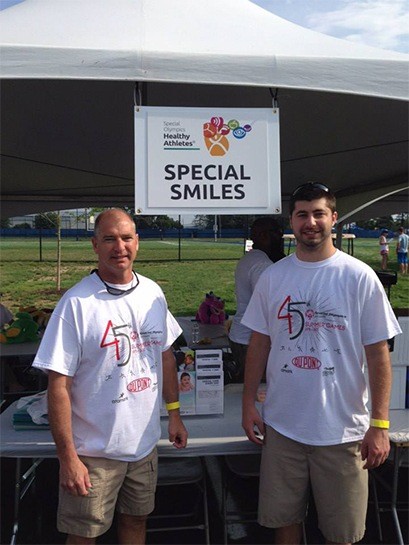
(399, 429)
(208, 435)
(19, 349)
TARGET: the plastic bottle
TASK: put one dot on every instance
(195, 332)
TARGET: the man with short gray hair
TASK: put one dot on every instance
(107, 351)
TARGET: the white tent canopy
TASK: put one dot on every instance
(232, 42)
(69, 68)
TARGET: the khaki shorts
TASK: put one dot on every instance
(334, 473)
(128, 487)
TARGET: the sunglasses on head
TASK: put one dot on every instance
(117, 291)
(309, 186)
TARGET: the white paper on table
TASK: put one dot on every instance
(210, 392)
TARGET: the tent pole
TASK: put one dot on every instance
(180, 232)
(338, 240)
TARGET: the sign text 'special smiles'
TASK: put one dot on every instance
(220, 173)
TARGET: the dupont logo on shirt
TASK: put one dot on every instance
(306, 362)
(139, 384)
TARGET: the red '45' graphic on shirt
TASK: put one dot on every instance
(290, 311)
(120, 339)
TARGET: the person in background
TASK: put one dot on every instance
(107, 352)
(266, 235)
(313, 315)
(384, 249)
(402, 250)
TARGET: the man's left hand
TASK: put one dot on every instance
(375, 447)
(177, 431)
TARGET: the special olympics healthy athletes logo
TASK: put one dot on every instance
(215, 134)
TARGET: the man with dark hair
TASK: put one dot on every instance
(266, 235)
(402, 250)
(107, 351)
(313, 315)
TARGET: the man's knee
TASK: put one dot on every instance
(132, 521)
(79, 540)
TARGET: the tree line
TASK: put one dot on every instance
(50, 220)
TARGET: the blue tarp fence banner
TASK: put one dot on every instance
(186, 232)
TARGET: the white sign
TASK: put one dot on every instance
(209, 381)
(201, 382)
(248, 245)
(207, 160)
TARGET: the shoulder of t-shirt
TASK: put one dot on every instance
(148, 282)
(252, 258)
(353, 261)
(273, 270)
(357, 268)
(255, 255)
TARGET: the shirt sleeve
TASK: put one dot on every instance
(173, 330)
(60, 348)
(378, 321)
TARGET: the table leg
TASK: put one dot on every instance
(23, 483)
(396, 463)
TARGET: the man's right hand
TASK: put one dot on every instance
(74, 477)
(253, 424)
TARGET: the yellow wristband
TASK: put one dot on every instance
(375, 423)
(173, 406)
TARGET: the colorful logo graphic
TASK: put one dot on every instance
(215, 134)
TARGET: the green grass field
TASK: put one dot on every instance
(204, 265)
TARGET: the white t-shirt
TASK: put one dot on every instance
(319, 316)
(403, 241)
(112, 347)
(248, 271)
